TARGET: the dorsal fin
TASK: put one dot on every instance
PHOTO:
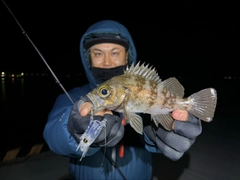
(174, 86)
(143, 70)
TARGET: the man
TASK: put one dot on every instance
(118, 152)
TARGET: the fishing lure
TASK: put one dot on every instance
(88, 137)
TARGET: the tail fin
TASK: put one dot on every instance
(204, 104)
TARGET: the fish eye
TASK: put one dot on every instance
(104, 91)
(85, 140)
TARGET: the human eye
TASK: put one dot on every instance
(97, 54)
(115, 53)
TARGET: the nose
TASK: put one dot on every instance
(107, 62)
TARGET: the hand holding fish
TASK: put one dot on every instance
(80, 119)
(173, 144)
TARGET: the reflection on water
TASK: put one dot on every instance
(24, 106)
(11, 86)
(3, 94)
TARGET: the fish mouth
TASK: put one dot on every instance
(95, 107)
(98, 105)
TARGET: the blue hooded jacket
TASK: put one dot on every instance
(98, 163)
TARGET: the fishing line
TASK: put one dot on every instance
(25, 34)
(114, 165)
(105, 147)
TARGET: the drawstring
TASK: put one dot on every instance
(121, 147)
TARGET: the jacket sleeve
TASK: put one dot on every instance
(56, 133)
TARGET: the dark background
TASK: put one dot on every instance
(180, 38)
(193, 41)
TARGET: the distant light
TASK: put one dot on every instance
(20, 75)
(3, 74)
(12, 75)
(226, 77)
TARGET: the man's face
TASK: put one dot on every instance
(108, 55)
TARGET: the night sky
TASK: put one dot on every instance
(183, 38)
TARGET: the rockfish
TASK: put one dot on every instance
(140, 90)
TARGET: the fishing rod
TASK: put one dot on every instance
(89, 134)
(25, 34)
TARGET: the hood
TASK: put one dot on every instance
(105, 26)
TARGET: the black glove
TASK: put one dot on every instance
(174, 143)
(109, 136)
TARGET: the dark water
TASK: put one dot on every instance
(24, 107)
(26, 102)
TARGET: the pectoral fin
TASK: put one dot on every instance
(135, 122)
(165, 120)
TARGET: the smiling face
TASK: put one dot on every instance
(108, 55)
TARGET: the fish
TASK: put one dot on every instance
(140, 90)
